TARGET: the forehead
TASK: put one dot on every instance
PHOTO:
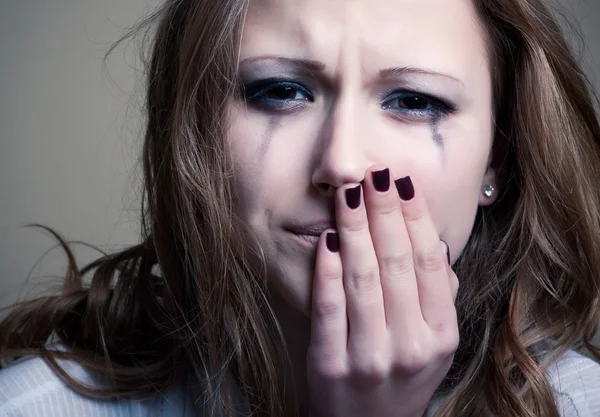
(441, 35)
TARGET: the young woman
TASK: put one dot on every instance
(312, 170)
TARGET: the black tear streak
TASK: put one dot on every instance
(272, 125)
(435, 133)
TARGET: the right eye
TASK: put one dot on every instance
(276, 95)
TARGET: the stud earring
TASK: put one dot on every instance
(488, 191)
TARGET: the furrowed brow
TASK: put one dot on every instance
(307, 64)
(399, 71)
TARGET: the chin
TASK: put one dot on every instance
(292, 287)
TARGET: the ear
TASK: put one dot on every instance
(490, 178)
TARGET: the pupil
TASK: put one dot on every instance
(413, 103)
(282, 93)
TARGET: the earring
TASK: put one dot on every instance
(488, 191)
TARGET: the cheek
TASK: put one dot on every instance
(453, 191)
(453, 206)
(243, 146)
(266, 157)
(269, 151)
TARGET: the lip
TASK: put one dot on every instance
(306, 240)
(310, 229)
(308, 234)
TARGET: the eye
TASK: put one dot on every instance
(417, 105)
(284, 92)
(413, 103)
(276, 94)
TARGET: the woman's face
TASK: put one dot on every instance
(334, 87)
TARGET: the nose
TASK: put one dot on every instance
(342, 152)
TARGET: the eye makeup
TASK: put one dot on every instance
(435, 133)
(281, 95)
(276, 94)
(416, 106)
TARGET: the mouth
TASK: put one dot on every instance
(310, 240)
(309, 233)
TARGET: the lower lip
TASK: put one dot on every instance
(306, 240)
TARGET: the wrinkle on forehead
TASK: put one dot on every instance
(434, 34)
(306, 26)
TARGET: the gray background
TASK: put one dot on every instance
(70, 132)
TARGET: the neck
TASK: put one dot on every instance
(296, 330)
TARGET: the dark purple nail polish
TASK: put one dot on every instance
(405, 188)
(332, 242)
(353, 197)
(447, 252)
(381, 180)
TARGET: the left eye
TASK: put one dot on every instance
(416, 104)
(413, 103)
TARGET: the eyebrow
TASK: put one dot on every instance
(390, 72)
(317, 66)
(307, 64)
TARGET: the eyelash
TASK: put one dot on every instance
(435, 108)
(255, 94)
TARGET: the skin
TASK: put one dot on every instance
(369, 85)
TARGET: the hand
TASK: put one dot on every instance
(384, 328)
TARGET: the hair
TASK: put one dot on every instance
(529, 272)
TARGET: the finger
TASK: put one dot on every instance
(364, 300)
(329, 324)
(454, 284)
(430, 263)
(393, 250)
(452, 278)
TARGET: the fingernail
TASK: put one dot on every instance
(353, 197)
(381, 180)
(332, 242)
(405, 188)
(447, 249)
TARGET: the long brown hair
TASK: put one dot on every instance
(529, 273)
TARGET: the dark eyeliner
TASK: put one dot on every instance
(256, 89)
(440, 106)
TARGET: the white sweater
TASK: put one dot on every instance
(29, 388)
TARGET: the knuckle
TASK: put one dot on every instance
(412, 360)
(331, 371)
(449, 338)
(325, 309)
(364, 281)
(388, 209)
(396, 264)
(416, 362)
(446, 352)
(430, 260)
(451, 345)
(447, 346)
(371, 372)
(355, 225)
(329, 274)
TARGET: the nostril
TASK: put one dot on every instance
(325, 188)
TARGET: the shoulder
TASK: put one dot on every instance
(576, 379)
(29, 387)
